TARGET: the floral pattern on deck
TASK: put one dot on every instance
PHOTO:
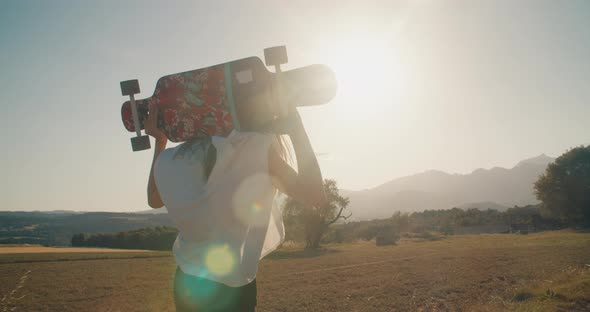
(190, 105)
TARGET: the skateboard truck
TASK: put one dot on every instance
(140, 142)
(275, 56)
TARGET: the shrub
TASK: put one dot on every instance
(387, 236)
(523, 295)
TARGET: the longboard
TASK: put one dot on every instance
(242, 95)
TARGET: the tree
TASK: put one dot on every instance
(564, 188)
(79, 239)
(160, 238)
(313, 222)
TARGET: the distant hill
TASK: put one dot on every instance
(57, 228)
(484, 206)
(153, 211)
(59, 212)
(496, 188)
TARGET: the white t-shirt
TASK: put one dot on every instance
(230, 221)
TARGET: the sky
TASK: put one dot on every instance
(446, 85)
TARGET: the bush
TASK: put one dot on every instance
(158, 238)
(387, 236)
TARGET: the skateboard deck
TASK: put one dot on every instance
(241, 95)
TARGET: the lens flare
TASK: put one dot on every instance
(249, 198)
(256, 207)
(220, 260)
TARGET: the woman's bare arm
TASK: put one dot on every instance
(151, 128)
(305, 185)
(154, 199)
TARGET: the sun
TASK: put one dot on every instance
(368, 71)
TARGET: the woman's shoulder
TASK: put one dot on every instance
(251, 139)
(191, 151)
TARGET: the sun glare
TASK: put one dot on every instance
(220, 260)
(368, 73)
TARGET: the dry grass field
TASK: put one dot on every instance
(537, 272)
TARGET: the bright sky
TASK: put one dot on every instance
(447, 85)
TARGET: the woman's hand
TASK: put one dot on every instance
(151, 125)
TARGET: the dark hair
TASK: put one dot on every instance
(205, 144)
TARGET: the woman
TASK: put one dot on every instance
(221, 193)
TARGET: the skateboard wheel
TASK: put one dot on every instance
(129, 87)
(275, 56)
(140, 143)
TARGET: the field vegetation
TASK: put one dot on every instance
(57, 228)
(547, 271)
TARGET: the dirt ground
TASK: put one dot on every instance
(537, 272)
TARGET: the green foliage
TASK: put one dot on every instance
(158, 238)
(564, 188)
(424, 224)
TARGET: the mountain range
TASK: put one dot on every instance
(496, 188)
